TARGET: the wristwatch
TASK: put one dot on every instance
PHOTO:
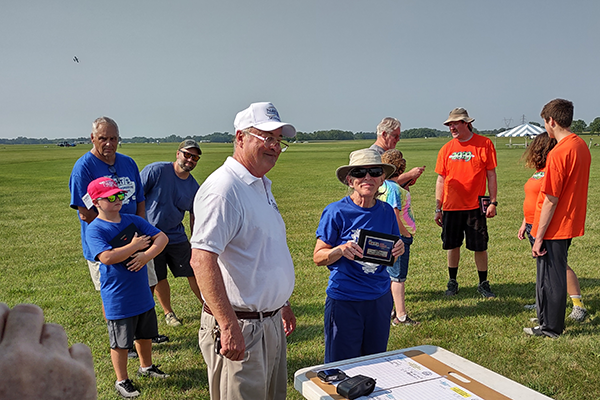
(494, 203)
(437, 210)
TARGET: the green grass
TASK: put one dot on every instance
(41, 263)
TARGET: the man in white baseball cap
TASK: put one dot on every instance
(262, 116)
(243, 265)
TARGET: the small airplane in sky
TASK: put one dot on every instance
(75, 59)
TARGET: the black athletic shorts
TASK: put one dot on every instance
(177, 256)
(456, 225)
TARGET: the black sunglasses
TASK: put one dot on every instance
(375, 172)
(189, 155)
(114, 197)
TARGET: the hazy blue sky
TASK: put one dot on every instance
(187, 67)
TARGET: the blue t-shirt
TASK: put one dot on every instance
(124, 293)
(90, 167)
(341, 222)
(168, 197)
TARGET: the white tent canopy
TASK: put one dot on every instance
(526, 130)
(522, 130)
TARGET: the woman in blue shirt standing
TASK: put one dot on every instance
(359, 302)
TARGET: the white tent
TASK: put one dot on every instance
(526, 130)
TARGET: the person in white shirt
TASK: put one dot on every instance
(243, 265)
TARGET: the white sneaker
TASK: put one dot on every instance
(126, 389)
(578, 314)
(172, 320)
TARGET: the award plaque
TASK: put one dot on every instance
(484, 202)
(377, 247)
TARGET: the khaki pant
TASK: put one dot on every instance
(262, 374)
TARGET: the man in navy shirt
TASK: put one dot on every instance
(169, 189)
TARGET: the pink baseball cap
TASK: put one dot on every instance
(103, 187)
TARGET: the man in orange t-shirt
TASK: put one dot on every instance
(464, 164)
(559, 216)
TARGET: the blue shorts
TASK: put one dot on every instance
(399, 270)
(356, 328)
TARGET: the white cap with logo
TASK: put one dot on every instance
(263, 116)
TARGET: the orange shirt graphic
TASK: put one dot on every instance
(567, 177)
(464, 166)
(532, 190)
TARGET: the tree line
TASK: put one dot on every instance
(578, 126)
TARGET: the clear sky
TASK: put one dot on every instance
(187, 67)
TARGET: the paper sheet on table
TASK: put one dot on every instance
(392, 371)
(439, 389)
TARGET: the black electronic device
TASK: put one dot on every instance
(356, 386)
(124, 238)
(331, 375)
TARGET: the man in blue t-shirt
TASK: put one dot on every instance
(169, 189)
(104, 161)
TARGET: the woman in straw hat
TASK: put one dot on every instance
(359, 301)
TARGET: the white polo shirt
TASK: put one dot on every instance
(238, 219)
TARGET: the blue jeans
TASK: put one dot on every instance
(399, 270)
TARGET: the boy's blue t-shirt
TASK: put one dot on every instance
(124, 293)
(89, 167)
(341, 222)
(168, 197)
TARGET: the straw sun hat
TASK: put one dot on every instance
(363, 158)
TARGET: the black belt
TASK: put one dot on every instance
(246, 314)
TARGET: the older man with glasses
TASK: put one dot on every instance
(170, 188)
(243, 265)
(103, 160)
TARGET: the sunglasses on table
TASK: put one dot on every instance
(375, 172)
(114, 197)
(187, 155)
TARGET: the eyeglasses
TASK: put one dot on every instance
(270, 141)
(187, 155)
(114, 197)
(375, 172)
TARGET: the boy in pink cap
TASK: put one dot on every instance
(123, 244)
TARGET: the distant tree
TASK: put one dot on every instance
(595, 126)
(535, 123)
(172, 139)
(491, 132)
(365, 135)
(578, 126)
(422, 132)
(219, 137)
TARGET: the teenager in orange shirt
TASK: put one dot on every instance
(464, 164)
(535, 157)
(559, 216)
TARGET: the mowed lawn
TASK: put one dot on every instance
(41, 262)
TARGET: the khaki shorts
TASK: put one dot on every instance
(94, 267)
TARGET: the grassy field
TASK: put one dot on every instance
(41, 262)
